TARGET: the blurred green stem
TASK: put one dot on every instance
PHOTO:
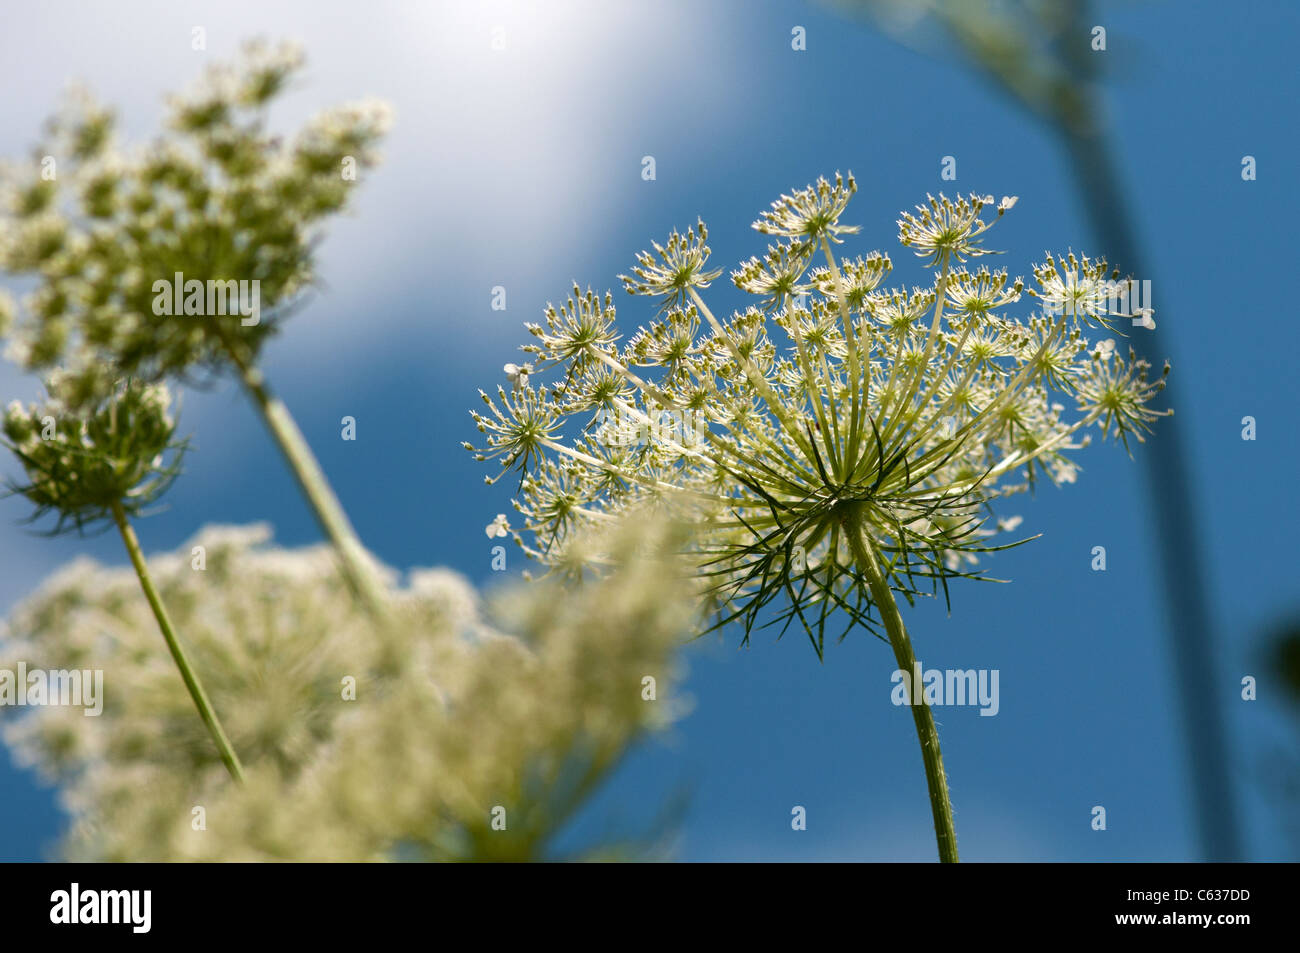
(357, 571)
(1062, 91)
(192, 682)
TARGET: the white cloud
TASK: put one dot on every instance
(511, 162)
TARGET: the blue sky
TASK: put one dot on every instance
(521, 168)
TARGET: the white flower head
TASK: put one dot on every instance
(946, 229)
(675, 269)
(449, 713)
(851, 418)
(217, 199)
(813, 213)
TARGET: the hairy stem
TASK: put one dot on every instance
(926, 732)
(192, 682)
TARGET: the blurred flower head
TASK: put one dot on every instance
(83, 455)
(217, 198)
(359, 742)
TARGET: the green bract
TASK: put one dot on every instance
(83, 460)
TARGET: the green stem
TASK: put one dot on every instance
(940, 803)
(358, 573)
(192, 683)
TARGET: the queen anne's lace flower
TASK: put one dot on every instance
(776, 276)
(858, 278)
(882, 419)
(948, 229)
(1079, 286)
(181, 258)
(359, 743)
(835, 448)
(981, 293)
(674, 268)
(218, 198)
(812, 213)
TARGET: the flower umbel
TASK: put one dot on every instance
(948, 229)
(455, 711)
(182, 258)
(674, 268)
(81, 463)
(104, 462)
(892, 415)
(838, 448)
(812, 213)
(217, 198)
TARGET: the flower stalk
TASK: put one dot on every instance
(217, 200)
(107, 461)
(927, 733)
(857, 460)
(353, 564)
(192, 683)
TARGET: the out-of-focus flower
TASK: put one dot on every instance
(218, 199)
(83, 459)
(181, 258)
(435, 737)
